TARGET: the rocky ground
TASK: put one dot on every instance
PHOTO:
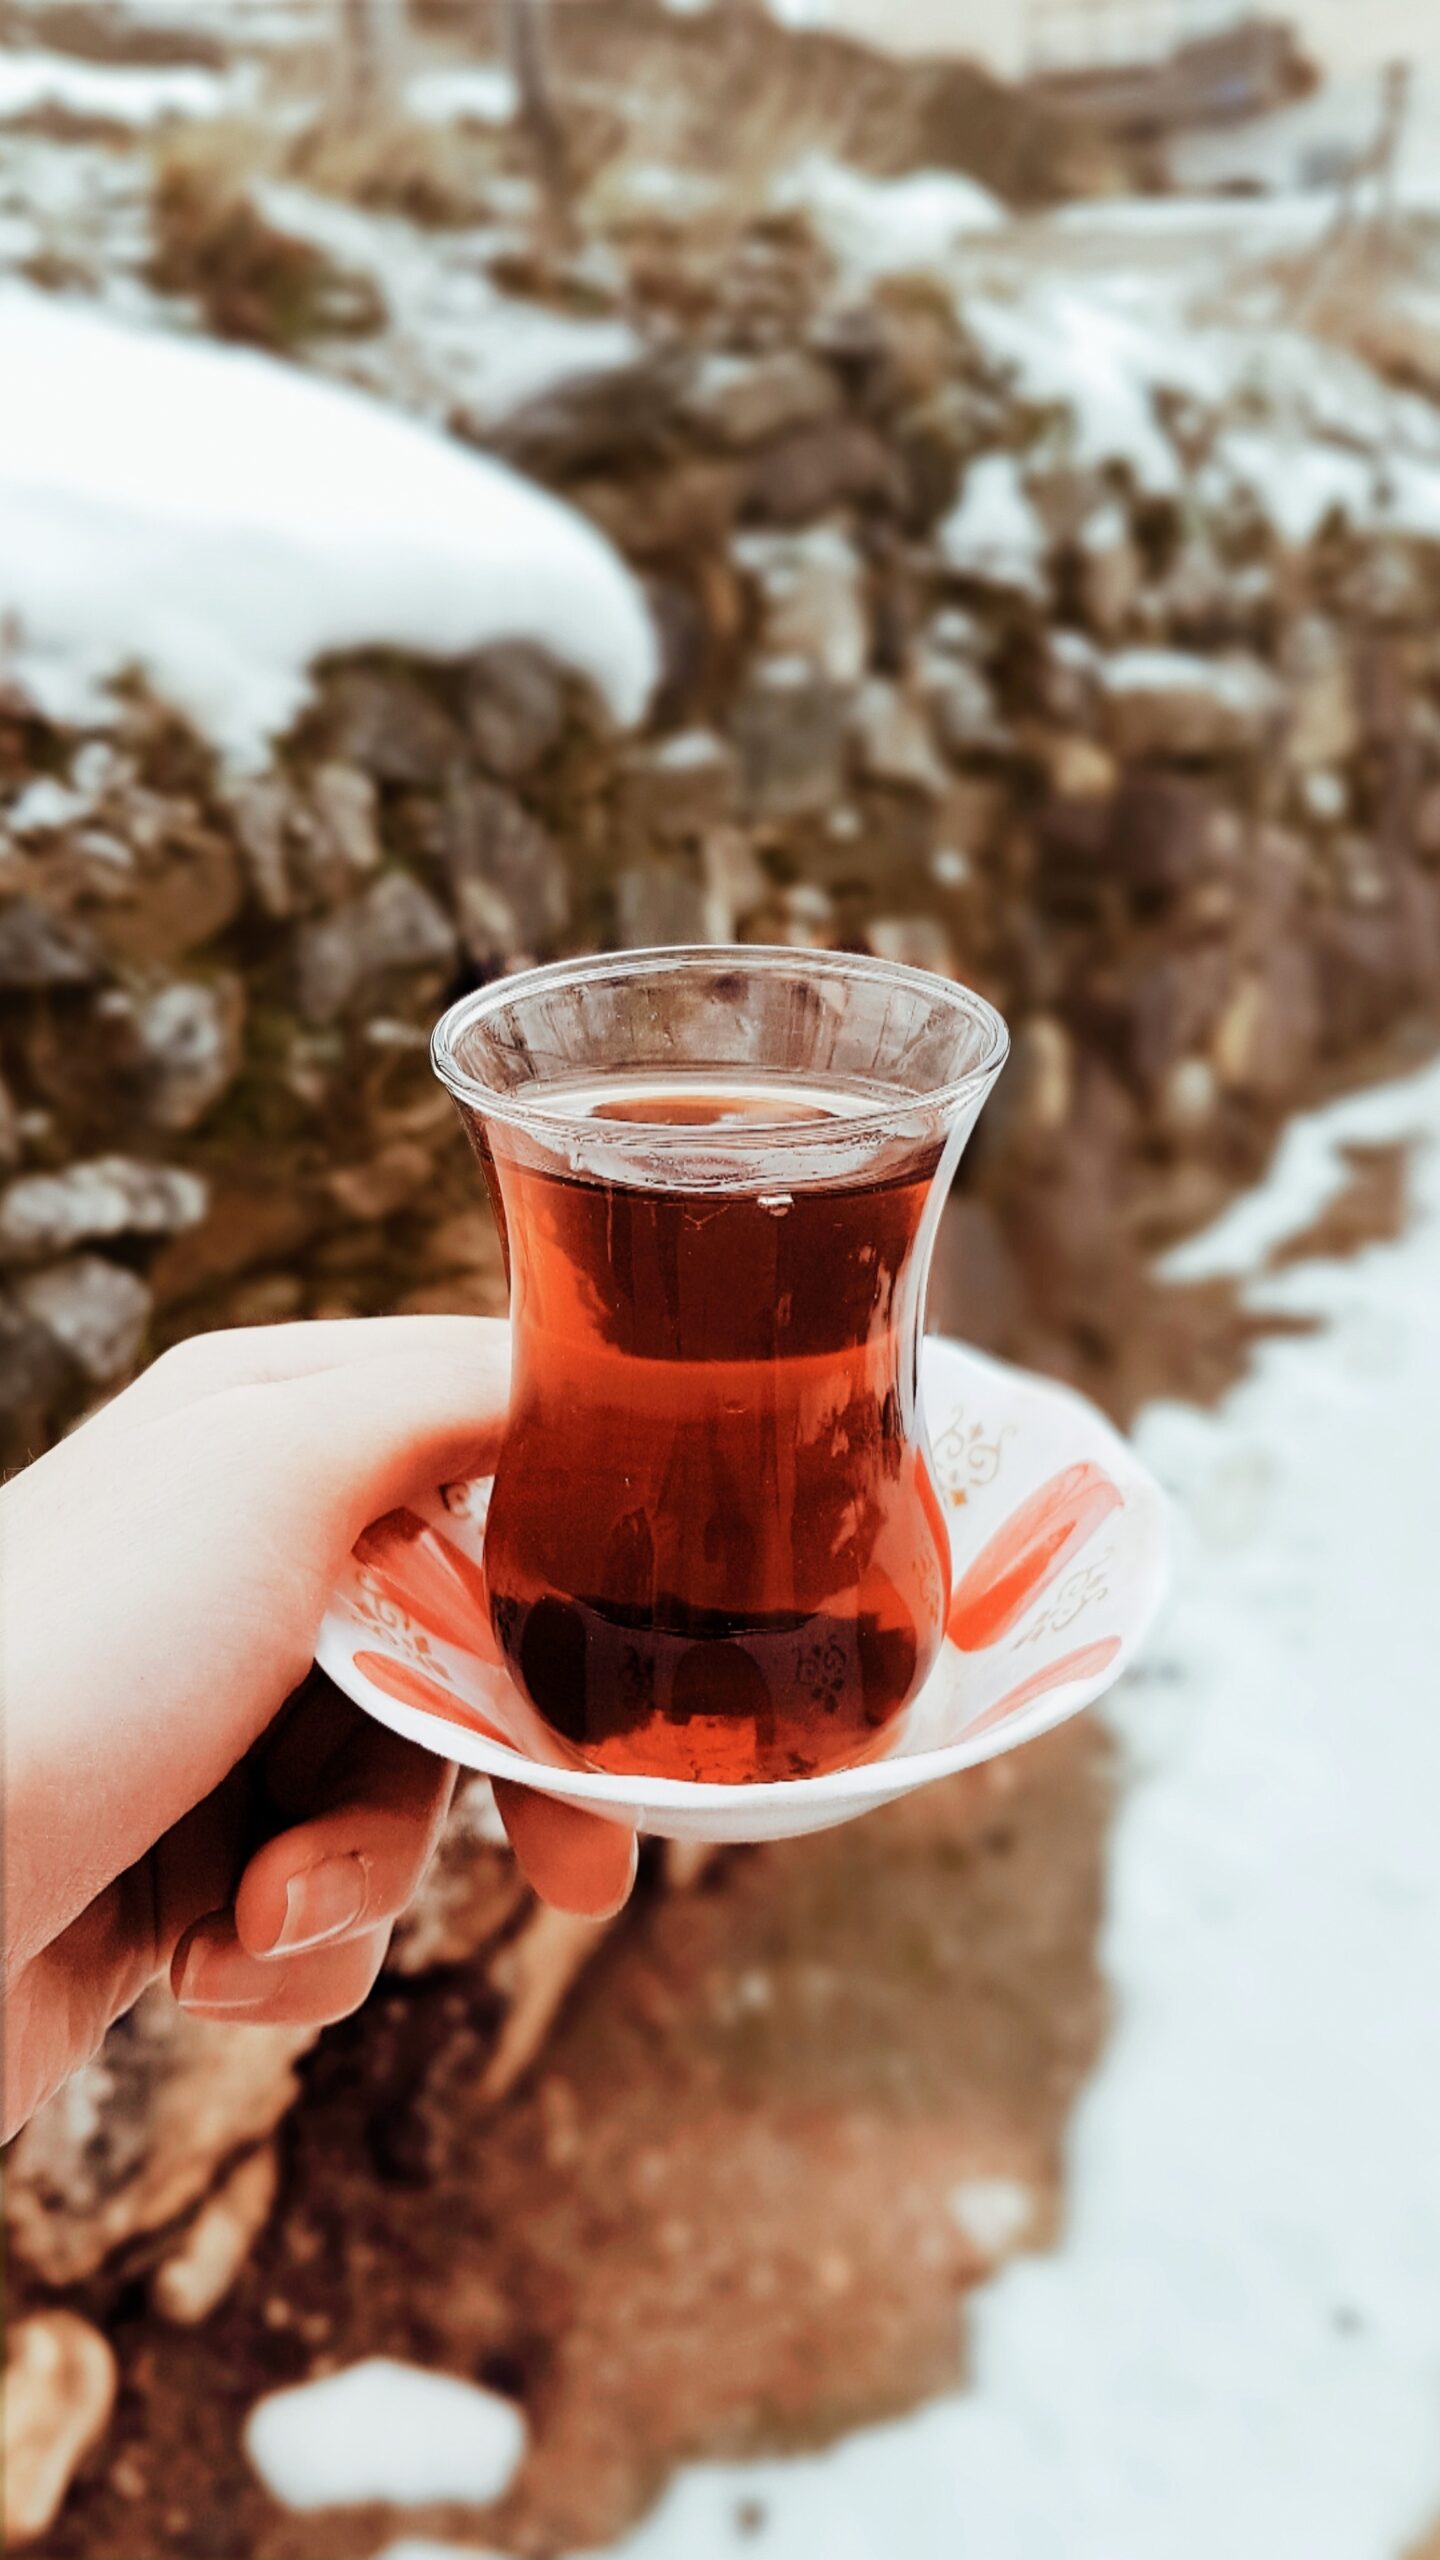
(1154, 766)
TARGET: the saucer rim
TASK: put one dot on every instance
(868, 1782)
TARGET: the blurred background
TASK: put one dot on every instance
(482, 479)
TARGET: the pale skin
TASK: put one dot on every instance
(171, 1805)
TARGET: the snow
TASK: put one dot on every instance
(384, 2430)
(1308, 1170)
(410, 2548)
(1090, 353)
(1297, 482)
(452, 338)
(993, 532)
(222, 520)
(117, 93)
(887, 226)
(474, 93)
(993, 2214)
(1235, 2347)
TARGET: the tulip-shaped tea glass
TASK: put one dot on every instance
(714, 1548)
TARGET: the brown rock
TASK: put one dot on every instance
(916, 942)
(963, 711)
(375, 1190)
(191, 2283)
(514, 708)
(41, 949)
(185, 1046)
(469, 1241)
(654, 904)
(343, 848)
(1034, 1100)
(45, 1213)
(187, 887)
(1109, 573)
(675, 514)
(812, 586)
(892, 742)
(1266, 1040)
(388, 725)
(262, 810)
(60, 2382)
(976, 1290)
(251, 1221)
(35, 1374)
(789, 730)
(801, 917)
(136, 2136)
(508, 881)
(1186, 1103)
(817, 469)
(339, 958)
(1168, 831)
(1076, 768)
(95, 1311)
(1426, 833)
(673, 788)
(735, 882)
(750, 400)
(11, 1142)
(1174, 1004)
(592, 420)
(1324, 714)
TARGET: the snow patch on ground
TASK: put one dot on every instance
(1080, 350)
(887, 226)
(451, 339)
(222, 520)
(1236, 2346)
(384, 2430)
(473, 93)
(117, 93)
(1308, 1171)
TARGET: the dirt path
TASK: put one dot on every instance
(725, 2217)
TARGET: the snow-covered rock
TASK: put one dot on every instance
(221, 520)
(1169, 702)
(43, 1213)
(993, 534)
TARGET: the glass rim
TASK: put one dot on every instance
(664, 959)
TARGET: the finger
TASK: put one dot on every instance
(357, 1863)
(206, 1364)
(213, 1977)
(575, 1860)
(61, 2005)
(372, 1436)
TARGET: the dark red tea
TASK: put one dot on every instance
(714, 1549)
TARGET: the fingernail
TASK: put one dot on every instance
(215, 1977)
(323, 1902)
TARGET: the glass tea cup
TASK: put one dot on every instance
(714, 1548)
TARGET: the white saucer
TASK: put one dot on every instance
(1060, 1541)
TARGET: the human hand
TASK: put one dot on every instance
(166, 1570)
